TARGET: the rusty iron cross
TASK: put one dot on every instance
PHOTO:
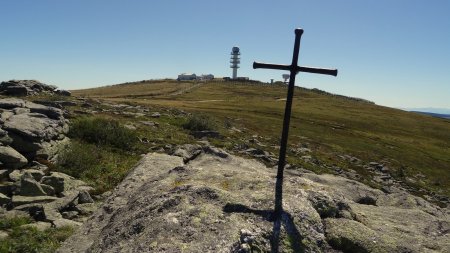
(294, 70)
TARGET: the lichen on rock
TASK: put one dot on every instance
(216, 202)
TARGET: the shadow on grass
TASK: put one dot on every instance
(295, 238)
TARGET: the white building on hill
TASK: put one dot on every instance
(192, 76)
(186, 76)
(207, 77)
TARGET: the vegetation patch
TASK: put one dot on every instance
(199, 123)
(101, 167)
(29, 239)
(13, 222)
(103, 131)
(101, 153)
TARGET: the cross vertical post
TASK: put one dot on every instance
(294, 69)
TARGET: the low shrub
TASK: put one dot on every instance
(102, 131)
(228, 123)
(78, 158)
(199, 123)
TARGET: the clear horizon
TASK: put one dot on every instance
(392, 53)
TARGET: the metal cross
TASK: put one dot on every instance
(294, 69)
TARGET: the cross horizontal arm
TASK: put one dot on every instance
(259, 65)
(331, 72)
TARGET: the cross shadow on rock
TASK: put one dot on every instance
(293, 236)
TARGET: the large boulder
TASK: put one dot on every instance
(84, 197)
(30, 187)
(35, 210)
(352, 236)
(45, 149)
(216, 202)
(17, 90)
(24, 145)
(7, 188)
(59, 223)
(18, 200)
(19, 106)
(10, 103)
(35, 174)
(54, 181)
(27, 87)
(4, 199)
(5, 140)
(3, 175)
(51, 112)
(33, 126)
(15, 175)
(63, 93)
(12, 159)
(5, 114)
(63, 183)
(32, 129)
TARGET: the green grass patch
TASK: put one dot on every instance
(102, 150)
(30, 240)
(103, 131)
(13, 222)
(101, 153)
(101, 167)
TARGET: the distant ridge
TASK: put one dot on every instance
(428, 109)
(437, 115)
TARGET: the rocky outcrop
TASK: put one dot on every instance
(205, 200)
(29, 87)
(28, 130)
(52, 199)
(30, 133)
(12, 159)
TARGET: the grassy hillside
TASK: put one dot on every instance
(416, 148)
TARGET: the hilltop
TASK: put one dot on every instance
(376, 145)
(206, 152)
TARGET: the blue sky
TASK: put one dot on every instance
(395, 53)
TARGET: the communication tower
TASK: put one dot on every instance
(235, 60)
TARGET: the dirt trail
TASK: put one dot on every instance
(183, 91)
